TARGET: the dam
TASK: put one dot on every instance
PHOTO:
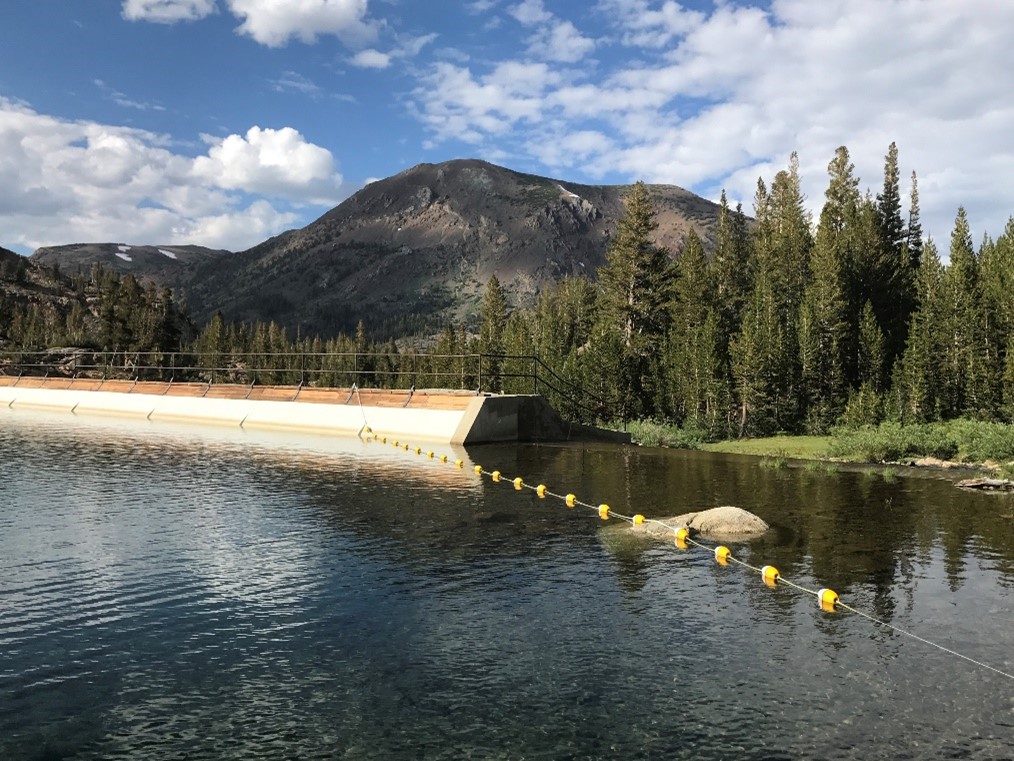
(456, 417)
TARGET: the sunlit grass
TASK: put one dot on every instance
(792, 447)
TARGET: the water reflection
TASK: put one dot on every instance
(182, 593)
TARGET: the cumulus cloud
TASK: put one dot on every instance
(275, 22)
(67, 181)
(167, 11)
(716, 99)
(271, 162)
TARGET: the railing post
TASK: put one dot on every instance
(480, 371)
(535, 377)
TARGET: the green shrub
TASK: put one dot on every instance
(890, 442)
(650, 433)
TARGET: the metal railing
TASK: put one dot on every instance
(479, 373)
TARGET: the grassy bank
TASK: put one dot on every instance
(965, 441)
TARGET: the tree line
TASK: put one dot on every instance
(789, 325)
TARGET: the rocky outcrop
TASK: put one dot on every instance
(723, 523)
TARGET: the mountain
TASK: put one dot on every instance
(410, 252)
(170, 266)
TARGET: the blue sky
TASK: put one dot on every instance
(223, 122)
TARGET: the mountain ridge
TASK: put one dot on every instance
(415, 248)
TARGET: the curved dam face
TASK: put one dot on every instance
(434, 415)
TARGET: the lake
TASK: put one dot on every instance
(187, 593)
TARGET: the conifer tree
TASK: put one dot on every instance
(914, 231)
(960, 321)
(731, 270)
(764, 372)
(824, 326)
(920, 376)
(492, 321)
(782, 238)
(889, 274)
(635, 294)
(690, 364)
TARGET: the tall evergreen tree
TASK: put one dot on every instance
(825, 344)
(782, 238)
(890, 276)
(731, 270)
(960, 323)
(914, 231)
(691, 368)
(635, 294)
(492, 321)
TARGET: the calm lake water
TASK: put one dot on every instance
(186, 593)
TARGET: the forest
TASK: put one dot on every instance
(788, 325)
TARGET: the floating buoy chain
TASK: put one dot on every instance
(827, 599)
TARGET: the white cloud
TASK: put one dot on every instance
(275, 22)
(370, 59)
(561, 42)
(712, 100)
(530, 13)
(120, 99)
(551, 38)
(271, 162)
(291, 81)
(167, 11)
(405, 47)
(72, 181)
(456, 105)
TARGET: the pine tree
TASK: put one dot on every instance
(782, 238)
(492, 320)
(920, 376)
(689, 366)
(764, 371)
(890, 276)
(731, 270)
(824, 329)
(960, 322)
(914, 231)
(635, 293)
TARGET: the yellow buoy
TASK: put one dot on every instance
(827, 599)
(570, 499)
(638, 519)
(478, 470)
(443, 458)
(430, 455)
(496, 475)
(383, 440)
(396, 443)
(368, 429)
(604, 512)
(722, 554)
(541, 490)
(770, 575)
(418, 450)
(517, 483)
(406, 447)
(681, 538)
(459, 463)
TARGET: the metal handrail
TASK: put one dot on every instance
(474, 371)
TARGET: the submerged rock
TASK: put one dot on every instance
(726, 522)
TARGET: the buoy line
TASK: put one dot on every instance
(827, 599)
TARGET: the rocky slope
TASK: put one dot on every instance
(411, 250)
